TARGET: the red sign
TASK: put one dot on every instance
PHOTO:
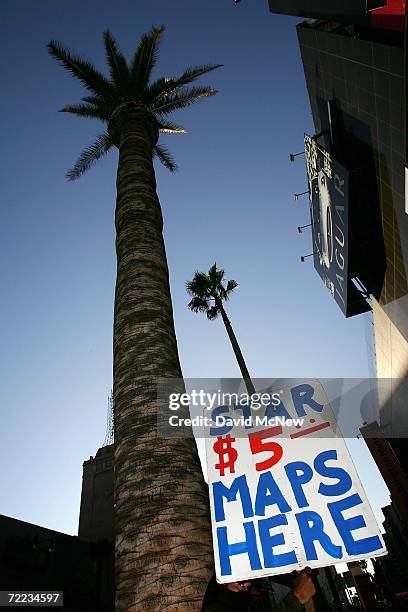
(393, 7)
(391, 16)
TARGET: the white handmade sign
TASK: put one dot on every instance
(284, 492)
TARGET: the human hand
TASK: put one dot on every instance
(303, 587)
(238, 587)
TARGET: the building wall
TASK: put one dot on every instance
(363, 70)
(40, 559)
(96, 519)
(396, 539)
(366, 78)
(391, 346)
(322, 9)
(36, 558)
(391, 352)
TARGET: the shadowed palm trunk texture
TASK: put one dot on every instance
(163, 541)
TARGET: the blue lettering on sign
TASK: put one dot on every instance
(303, 395)
(310, 523)
(239, 485)
(246, 412)
(267, 494)
(272, 411)
(248, 546)
(220, 431)
(344, 480)
(299, 473)
(346, 526)
(268, 541)
(311, 529)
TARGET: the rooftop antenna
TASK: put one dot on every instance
(109, 436)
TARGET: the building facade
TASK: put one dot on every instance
(394, 567)
(33, 558)
(96, 517)
(36, 558)
(355, 69)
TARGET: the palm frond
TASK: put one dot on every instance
(198, 304)
(85, 110)
(82, 70)
(105, 106)
(171, 128)
(130, 82)
(93, 99)
(214, 274)
(231, 285)
(182, 99)
(212, 313)
(166, 159)
(90, 155)
(165, 86)
(154, 91)
(119, 70)
(144, 60)
(200, 286)
(225, 292)
(219, 276)
(193, 73)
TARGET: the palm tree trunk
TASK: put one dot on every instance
(235, 346)
(163, 554)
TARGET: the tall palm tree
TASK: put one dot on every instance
(163, 553)
(208, 292)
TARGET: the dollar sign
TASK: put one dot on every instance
(223, 446)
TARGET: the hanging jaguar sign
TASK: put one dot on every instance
(329, 197)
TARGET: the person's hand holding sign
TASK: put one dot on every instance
(303, 587)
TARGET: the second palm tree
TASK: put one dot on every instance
(208, 292)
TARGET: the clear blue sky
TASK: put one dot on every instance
(231, 201)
